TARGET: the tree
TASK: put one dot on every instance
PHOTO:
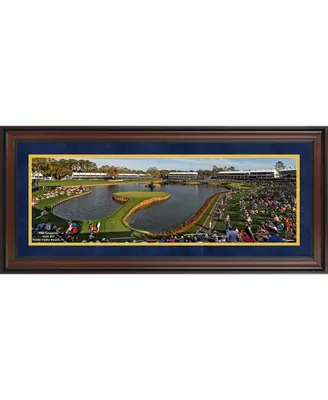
(76, 166)
(103, 168)
(40, 165)
(207, 172)
(164, 173)
(88, 166)
(61, 172)
(123, 170)
(45, 166)
(279, 165)
(112, 171)
(154, 172)
(216, 170)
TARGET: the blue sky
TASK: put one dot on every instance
(186, 164)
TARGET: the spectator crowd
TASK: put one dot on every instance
(68, 191)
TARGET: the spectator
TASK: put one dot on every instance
(232, 235)
(274, 236)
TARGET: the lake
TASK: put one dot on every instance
(185, 200)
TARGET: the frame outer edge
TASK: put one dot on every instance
(324, 177)
(325, 199)
(166, 127)
(2, 198)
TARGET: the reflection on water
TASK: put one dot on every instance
(184, 201)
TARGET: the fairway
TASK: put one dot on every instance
(237, 185)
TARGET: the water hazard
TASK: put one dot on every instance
(185, 200)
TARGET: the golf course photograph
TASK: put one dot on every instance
(167, 200)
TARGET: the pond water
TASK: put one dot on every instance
(185, 200)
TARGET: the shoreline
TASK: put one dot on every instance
(191, 222)
(141, 205)
(67, 198)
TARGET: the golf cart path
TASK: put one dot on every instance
(212, 217)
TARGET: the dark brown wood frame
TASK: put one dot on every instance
(318, 136)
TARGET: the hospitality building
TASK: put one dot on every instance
(288, 174)
(88, 175)
(258, 174)
(187, 175)
(133, 176)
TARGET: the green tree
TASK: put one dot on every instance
(61, 172)
(112, 171)
(103, 168)
(279, 165)
(154, 172)
(164, 173)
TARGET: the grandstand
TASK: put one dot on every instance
(88, 175)
(263, 174)
(233, 175)
(287, 174)
(133, 176)
(258, 174)
(188, 175)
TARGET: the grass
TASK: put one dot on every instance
(236, 218)
(59, 222)
(140, 194)
(237, 185)
(42, 204)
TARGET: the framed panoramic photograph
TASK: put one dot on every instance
(141, 199)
